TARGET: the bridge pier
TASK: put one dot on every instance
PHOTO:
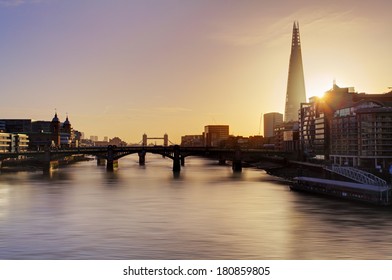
(237, 161)
(237, 166)
(182, 161)
(176, 159)
(222, 160)
(111, 164)
(48, 166)
(142, 158)
(101, 162)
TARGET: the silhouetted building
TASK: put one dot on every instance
(287, 137)
(313, 130)
(215, 134)
(66, 134)
(256, 142)
(116, 141)
(295, 94)
(192, 141)
(16, 125)
(42, 134)
(315, 120)
(270, 121)
(2, 126)
(55, 131)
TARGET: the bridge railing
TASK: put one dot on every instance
(357, 175)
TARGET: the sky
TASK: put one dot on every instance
(128, 67)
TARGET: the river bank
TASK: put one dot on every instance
(32, 165)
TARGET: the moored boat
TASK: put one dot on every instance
(376, 194)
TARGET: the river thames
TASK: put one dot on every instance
(84, 212)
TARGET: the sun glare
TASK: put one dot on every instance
(317, 86)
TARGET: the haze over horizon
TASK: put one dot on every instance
(124, 68)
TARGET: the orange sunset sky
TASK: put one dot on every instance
(128, 67)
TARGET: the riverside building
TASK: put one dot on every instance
(347, 128)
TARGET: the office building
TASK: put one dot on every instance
(361, 136)
(13, 142)
(192, 141)
(347, 128)
(271, 120)
(295, 94)
(215, 134)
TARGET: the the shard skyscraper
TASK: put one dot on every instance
(295, 94)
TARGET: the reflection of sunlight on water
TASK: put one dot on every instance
(207, 212)
(4, 199)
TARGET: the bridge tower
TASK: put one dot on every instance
(165, 140)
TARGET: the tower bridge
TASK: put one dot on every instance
(165, 139)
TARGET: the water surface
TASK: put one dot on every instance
(84, 212)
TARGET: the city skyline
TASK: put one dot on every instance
(127, 68)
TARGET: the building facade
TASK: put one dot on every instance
(215, 134)
(5, 142)
(192, 141)
(315, 120)
(270, 121)
(361, 136)
(13, 142)
(313, 130)
(295, 94)
(41, 134)
(348, 128)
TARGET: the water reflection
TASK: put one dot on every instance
(207, 212)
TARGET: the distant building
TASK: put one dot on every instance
(16, 125)
(295, 94)
(215, 134)
(55, 131)
(13, 142)
(100, 143)
(287, 137)
(192, 141)
(116, 141)
(42, 134)
(5, 142)
(20, 142)
(2, 126)
(256, 142)
(270, 121)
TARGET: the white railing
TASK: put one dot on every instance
(357, 175)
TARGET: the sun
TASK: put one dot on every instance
(317, 85)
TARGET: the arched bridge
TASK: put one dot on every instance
(111, 154)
